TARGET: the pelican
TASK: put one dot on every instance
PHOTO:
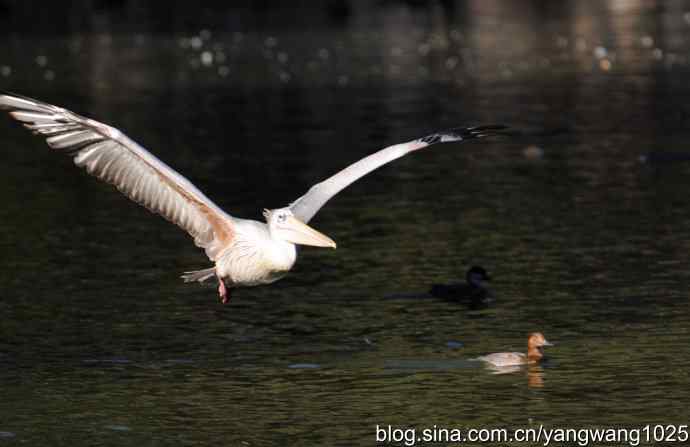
(244, 252)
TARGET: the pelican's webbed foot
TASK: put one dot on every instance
(223, 291)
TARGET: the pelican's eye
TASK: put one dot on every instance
(281, 218)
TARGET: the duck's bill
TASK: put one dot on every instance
(547, 343)
(298, 232)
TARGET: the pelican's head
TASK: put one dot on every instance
(283, 225)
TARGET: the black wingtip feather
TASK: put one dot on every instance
(464, 133)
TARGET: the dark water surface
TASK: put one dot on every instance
(102, 344)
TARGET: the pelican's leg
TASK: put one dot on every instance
(223, 291)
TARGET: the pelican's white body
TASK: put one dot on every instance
(254, 257)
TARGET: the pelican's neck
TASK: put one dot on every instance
(272, 233)
(256, 237)
(276, 239)
(281, 253)
(283, 244)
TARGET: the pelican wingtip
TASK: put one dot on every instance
(464, 133)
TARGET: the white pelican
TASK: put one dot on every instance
(245, 252)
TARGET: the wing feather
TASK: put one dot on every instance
(109, 155)
(309, 204)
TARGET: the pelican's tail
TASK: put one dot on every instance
(199, 275)
(463, 133)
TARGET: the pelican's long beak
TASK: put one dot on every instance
(297, 232)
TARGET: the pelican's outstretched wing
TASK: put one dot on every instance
(108, 154)
(309, 204)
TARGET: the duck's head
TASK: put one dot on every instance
(537, 341)
(283, 225)
(476, 276)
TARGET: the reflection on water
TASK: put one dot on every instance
(534, 373)
(100, 341)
